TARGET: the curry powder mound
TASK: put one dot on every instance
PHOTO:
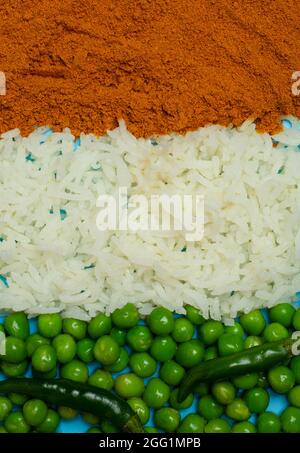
(162, 65)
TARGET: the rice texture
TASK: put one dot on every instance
(53, 258)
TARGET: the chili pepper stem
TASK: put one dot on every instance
(133, 425)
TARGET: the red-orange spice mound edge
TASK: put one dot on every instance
(163, 66)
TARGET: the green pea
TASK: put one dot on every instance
(190, 353)
(246, 382)
(252, 341)
(125, 317)
(290, 420)
(14, 369)
(210, 353)
(140, 408)
(223, 392)
(129, 385)
(15, 350)
(67, 413)
(49, 325)
(253, 322)
(281, 379)
(293, 396)
(44, 358)
(75, 371)
(48, 375)
(210, 331)
(268, 422)
(106, 350)
(218, 425)
(236, 329)
(94, 430)
(161, 321)
(295, 367)
(167, 418)
(209, 408)
(17, 399)
(184, 404)
(75, 327)
(99, 326)
(17, 325)
(118, 335)
(262, 380)
(296, 320)
(108, 428)
(50, 424)
(5, 407)
(85, 350)
(192, 423)
(257, 400)
(139, 338)
(163, 348)
(65, 348)
(194, 315)
(156, 393)
(171, 372)
(121, 362)
(34, 341)
(15, 423)
(91, 419)
(230, 344)
(151, 430)
(101, 379)
(282, 313)
(238, 410)
(35, 412)
(183, 330)
(142, 364)
(244, 428)
(275, 332)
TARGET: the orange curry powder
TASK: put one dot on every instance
(162, 65)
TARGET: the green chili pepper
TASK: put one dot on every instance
(82, 397)
(255, 359)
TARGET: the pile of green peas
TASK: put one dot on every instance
(144, 362)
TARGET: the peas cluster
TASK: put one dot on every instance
(150, 360)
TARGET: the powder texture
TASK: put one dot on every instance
(163, 65)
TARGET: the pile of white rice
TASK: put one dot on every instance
(53, 257)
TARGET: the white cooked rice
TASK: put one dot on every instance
(248, 258)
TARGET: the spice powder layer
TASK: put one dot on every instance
(163, 66)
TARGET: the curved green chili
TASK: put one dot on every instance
(84, 398)
(255, 359)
